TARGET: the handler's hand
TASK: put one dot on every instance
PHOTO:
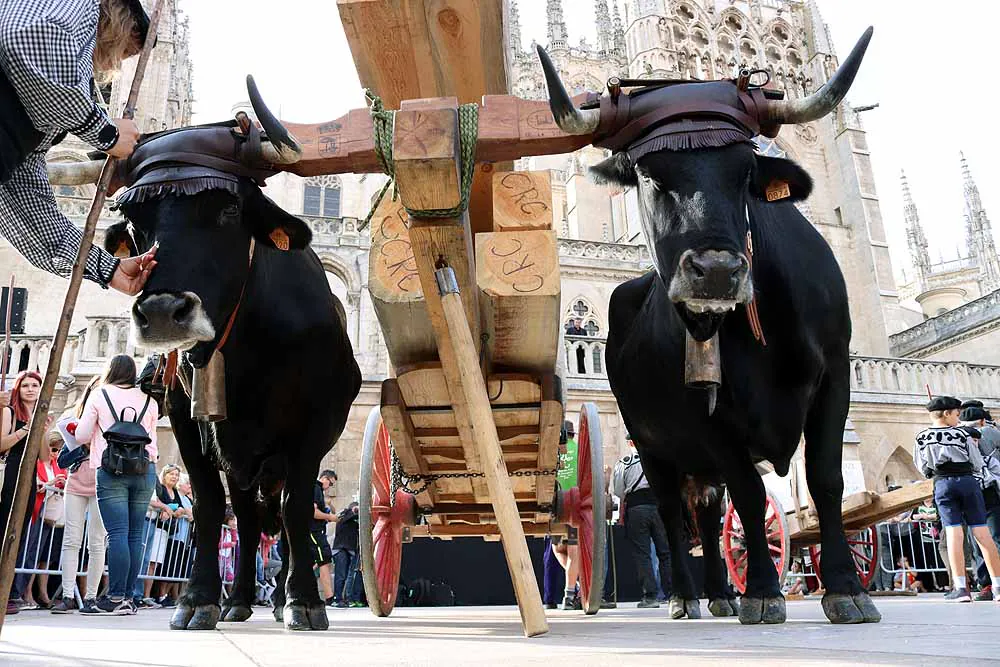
(132, 273)
(128, 136)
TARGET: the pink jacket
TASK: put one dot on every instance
(83, 482)
(97, 417)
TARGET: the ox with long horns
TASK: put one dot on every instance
(745, 300)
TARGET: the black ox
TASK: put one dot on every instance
(290, 373)
(704, 202)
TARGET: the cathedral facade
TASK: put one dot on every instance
(600, 239)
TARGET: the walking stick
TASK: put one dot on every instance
(5, 359)
(13, 530)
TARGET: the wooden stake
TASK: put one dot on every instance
(477, 402)
(13, 530)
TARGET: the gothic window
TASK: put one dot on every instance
(597, 360)
(734, 23)
(769, 147)
(685, 12)
(794, 59)
(102, 341)
(581, 357)
(22, 362)
(321, 196)
(749, 52)
(581, 320)
(592, 328)
(122, 340)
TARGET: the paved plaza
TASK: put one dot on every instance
(914, 631)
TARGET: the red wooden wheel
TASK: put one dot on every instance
(734, 542)
(584, 508)
(383, 513)
(864, 551)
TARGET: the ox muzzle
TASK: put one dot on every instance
(170, 321)
(711, 281)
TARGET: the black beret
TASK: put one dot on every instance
(988, 417)
(570, 429)
(944, 403)
(972, 404)
(972, 413)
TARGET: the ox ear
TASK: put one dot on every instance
(118, 241)
(616, 170)
(776, 179)
(272, 225)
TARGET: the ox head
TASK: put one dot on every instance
(687, 149)
(202, 216)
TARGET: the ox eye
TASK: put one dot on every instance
(229, 213)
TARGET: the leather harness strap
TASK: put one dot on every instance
(752, 315)
(239, 302)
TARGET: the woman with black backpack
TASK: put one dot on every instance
(119, 422)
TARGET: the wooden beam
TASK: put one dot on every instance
(395, 288)
(486, 530)
(550, 419)
(522, 200)
(406, 49)
(472, 388)
(509, 128)
(400, 428)
(518, 277)
(425, 145)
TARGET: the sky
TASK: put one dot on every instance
(926, 67)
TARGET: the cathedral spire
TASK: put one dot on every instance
(818, 30)
(605, 31)
(558, 37)
(619, 30)
(979, 233)
(514, 30)
(915, 239)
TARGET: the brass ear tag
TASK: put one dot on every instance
(280, 239)
(778, 190)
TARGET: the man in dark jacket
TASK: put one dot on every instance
(346, 589)
(322, 515)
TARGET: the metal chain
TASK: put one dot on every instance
(401, 480)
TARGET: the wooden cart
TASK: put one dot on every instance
(789, 532)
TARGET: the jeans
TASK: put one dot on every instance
(345, 569)
(643, 523)
(993, 523)
(81, 511)
(553, 576)
(123, 501)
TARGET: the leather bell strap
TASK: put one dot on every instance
(753, 317)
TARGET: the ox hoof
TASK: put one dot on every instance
(198, 617)
(306, 617)
(841, 608)
(279, 613)
(722, 607)
(754, 610)
(236, 613)
(679, 608)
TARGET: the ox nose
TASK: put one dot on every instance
(164, 311)
(714, 274)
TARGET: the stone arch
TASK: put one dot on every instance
(337, 266)
(898, 469)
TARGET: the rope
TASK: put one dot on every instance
(468, 132)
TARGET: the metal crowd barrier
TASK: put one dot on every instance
(919, 542)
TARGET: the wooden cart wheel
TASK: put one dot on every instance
(734, 542)
(864, 551)
(584, 508)
(381, 520)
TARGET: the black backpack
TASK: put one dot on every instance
(126, 451)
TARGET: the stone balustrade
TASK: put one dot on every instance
(911, 378)
(335, 231)
(637, 254)
(953, 323)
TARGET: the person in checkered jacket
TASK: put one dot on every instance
(49, 52)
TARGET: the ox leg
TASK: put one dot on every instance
(198, 608)
(666, 482)
(238, 607)
(721, 599)
(845, 600)
(304, 610)
(762, 602)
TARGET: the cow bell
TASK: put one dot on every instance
(208, 394)
(703, 367)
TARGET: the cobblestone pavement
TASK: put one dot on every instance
(914, 631)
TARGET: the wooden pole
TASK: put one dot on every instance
(13, 530)
(473, 388)
(5, 360)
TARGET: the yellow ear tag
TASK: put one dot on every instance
(122, 251)
(778, 190)
(280, 239)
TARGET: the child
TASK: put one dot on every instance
(228, 541)
(906, 580)
(946, 453)
(794, 587)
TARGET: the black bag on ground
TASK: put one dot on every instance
(18, 136)
(126, 451)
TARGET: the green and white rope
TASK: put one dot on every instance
(468, 132)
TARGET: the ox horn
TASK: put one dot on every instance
(569, 119)
(74, 173)
(826, 99)
(282, 147)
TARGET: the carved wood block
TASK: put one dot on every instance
(425, 148)
(522, 200)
